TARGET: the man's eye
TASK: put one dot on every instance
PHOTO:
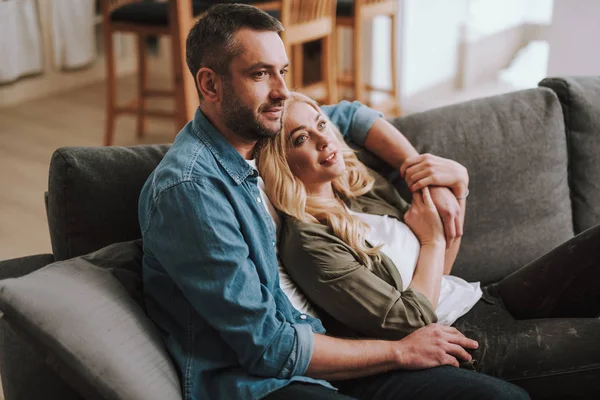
(260, 74)
(284, 71)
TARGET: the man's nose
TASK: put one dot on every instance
(279, 89)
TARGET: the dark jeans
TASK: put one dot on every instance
(436, 383)
(539, 326)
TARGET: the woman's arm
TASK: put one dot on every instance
(333, 279)
(423, 219)
(427, 278)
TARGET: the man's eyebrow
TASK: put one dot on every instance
(264, 65)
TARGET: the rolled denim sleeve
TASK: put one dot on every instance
(353, 119)
(301, 355)
(195, 235)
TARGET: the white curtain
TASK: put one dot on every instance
(20, 40)
(73, 33)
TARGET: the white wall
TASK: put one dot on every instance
(573, 38)
(430, 38)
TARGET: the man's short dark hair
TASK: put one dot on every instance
(211, 41)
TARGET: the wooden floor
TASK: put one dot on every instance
(31, 132)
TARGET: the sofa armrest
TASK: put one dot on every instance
(22, 266)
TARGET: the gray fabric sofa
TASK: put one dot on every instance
(534, 163)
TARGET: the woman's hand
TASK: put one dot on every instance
(424, 220)
(426, 169)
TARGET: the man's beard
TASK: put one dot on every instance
(240, 119)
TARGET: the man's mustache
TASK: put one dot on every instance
(272, 105)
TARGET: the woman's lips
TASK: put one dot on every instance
(330, 159)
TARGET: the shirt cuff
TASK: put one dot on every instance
(302, 350)
(363, 120)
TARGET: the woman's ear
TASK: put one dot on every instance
(207, 82)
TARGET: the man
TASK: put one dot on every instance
(210, 265)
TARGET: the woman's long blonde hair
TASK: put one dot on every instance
(289, 195)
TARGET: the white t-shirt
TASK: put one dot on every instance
(293, 292)
(400, 244)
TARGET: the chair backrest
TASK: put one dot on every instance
(370, 8)
(307, 20)
(108, 6)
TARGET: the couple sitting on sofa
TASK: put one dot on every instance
(373, 267)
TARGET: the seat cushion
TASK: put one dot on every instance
(580, 101)
(93, 196)
(344, 8)
(154, 14)
(515, 150)
(86, 317)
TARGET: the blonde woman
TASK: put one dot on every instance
(376, 267)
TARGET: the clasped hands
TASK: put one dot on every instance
(446, 180)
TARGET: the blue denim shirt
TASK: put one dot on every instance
(210, 273)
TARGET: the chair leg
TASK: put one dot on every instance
(289, 81)
(393, 54)
(109, 128)
(328, 68)
(142, 85)
(359, 85)
(298, 68)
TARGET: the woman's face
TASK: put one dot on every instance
(314, 154)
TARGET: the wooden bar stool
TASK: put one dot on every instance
(353, 14)
(143, 20)
(307, 21)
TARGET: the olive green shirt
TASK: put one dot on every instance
(352, 300)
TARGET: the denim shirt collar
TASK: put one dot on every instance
(225, 154)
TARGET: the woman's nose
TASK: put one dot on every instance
(323, 142)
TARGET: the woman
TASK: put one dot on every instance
(376, 267)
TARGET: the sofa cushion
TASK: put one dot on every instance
(93, 195)
(580, 101)
(514, 148)
(85, 315)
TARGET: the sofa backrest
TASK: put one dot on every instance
(93, 195)
(514, 147)
(580, 101)
(515, 150)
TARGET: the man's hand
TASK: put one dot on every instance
(432, 346)
(450, 211)
(429, 170)
(447, 180)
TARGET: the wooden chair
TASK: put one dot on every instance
(142, 20)
(353, 14)
(306, 21)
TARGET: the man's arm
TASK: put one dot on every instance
(431, 346)
(367, 128)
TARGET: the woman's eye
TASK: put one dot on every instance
(322, 125)
(300, 139)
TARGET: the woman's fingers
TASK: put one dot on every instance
(417, 199)
(427, 200)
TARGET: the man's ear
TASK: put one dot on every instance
(208, 82)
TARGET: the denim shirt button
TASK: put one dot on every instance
(303, 316)
(258, 199)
